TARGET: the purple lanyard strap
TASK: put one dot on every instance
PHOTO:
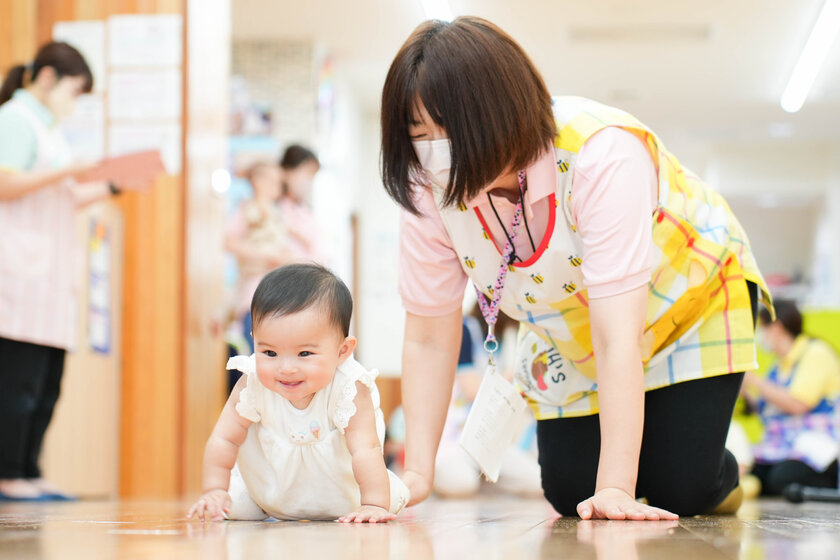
(490, 309)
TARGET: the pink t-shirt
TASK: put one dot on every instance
(614, 195)
(305, 237)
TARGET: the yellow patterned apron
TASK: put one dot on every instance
(699, 322)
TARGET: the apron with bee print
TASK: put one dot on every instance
(699, 319)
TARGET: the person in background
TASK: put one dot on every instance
(41, 188)
(257, 237)
(457, 475)
(797, 403)
(298, 167)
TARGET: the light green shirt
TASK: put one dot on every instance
(18, 142)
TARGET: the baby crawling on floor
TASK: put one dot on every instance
(301, 434)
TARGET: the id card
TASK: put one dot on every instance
(497, 417)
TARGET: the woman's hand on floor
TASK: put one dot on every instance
(613, 503)
(213, 505)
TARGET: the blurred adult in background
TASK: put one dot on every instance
(41, 188)
(796, 402)
(298, 167)
(274, 228)
(257, 237)
(457, 475)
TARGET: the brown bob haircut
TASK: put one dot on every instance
(478, 84)
(64, 59)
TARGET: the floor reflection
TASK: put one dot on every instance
(489, 528)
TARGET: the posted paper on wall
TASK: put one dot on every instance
(145, 40)
(99, 288)
(85, 128)
(129, 138)
(145, 94)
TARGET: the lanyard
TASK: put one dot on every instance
(490, 309)
(524, 220)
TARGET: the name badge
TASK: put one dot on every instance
(498, 415)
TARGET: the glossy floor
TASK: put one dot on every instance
(490, 527)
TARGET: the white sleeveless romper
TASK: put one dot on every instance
(294, 463)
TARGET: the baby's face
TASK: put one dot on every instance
(297, 354)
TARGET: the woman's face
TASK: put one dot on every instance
(61, 97)
(299, 180)
(768, 335)
(422, 127)
(423, 130)
(266, 182)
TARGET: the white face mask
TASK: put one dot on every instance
(761, 339)
(435, 158)
(61, 99)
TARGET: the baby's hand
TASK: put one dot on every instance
(368, 514)
(214, 505)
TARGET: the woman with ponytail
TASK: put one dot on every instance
(40, 190)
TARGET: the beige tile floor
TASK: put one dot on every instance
(488, 528)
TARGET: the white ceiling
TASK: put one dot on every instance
(707, 72)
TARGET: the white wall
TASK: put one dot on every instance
(782, 237)
(381, 315)
(826, 265)
(786, 195)
(777, 168)
(335, 196)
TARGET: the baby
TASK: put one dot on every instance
(301, 434)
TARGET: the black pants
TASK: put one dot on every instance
(777, 476)
(683, 464)
(30, 381)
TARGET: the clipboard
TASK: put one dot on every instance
(138, 167)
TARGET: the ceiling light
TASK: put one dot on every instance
(812, 57)
(437, 9)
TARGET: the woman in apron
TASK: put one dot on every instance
(39, 195)
(797, 402)
(633, 282)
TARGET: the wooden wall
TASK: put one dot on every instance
(204, 382)
(81, 451)
(172, 386)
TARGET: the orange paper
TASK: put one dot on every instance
(138, 167)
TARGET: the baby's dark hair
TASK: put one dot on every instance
(295, 287)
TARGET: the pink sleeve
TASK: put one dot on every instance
(431, 280)
(614, 195)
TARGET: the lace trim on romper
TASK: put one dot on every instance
(345, 408)
(247, 405)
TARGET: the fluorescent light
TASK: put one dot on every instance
(812, 57)
(437, 9)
